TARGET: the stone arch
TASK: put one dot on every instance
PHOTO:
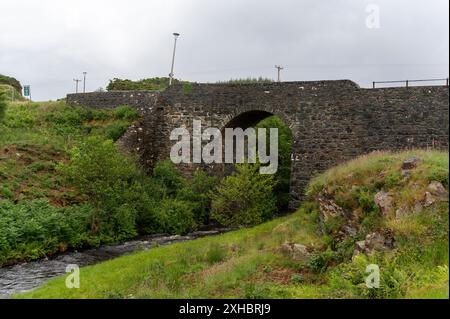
(245, 117)
(251, 114)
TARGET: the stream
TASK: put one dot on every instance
(30, 275)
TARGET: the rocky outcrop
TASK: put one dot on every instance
(329, 209)
(384, 201)
(379, 241)
(435, 193)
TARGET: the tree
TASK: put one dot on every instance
(244, 198)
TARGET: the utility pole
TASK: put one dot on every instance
(279, 68)
(176, 35)
(84, 82)
(76, 84)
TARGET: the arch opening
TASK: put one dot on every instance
(259, 119)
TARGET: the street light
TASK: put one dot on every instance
(84, 82)
(176, 35)
(76, 84)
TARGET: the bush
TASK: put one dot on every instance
(197, 191)
(11, 81)
(124, 112)
(168, 179)
(34, 229)
(99, 171)
(348, 279)
(144, 84)
(176, 216)
(320, 261)
(283, 175)
(244, 198)
(115, 130)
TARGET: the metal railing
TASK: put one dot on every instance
(407, 82)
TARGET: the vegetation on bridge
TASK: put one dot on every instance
(152, 84)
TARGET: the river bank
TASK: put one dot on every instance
(26, 276)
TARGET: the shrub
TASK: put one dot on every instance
(115, 130)
(244, 198)
(283, 175)
(144, 84)
(176, 216)
(197, 191)
(320, 261)
(348, 279)
(98, 170)
(125, 112)
(168, 179)
(33, 229)
(11, 81)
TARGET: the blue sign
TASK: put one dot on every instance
(26, 90)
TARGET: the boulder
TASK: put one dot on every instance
(410, 163)
(297, 252)
(384, 202)
(436, 192)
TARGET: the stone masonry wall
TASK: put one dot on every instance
(331, 121)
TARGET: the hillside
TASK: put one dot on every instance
(11, 87)
(11, 94)
(41, 211)
(388, 209)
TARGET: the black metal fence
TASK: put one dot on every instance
(408, 82)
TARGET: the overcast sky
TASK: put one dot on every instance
(47, 43)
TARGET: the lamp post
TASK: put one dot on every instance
(176, 35)
(84, 82)
(279, 68)
(76, 84)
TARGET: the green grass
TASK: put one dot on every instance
(36, 137)
(248, 263)
(217, 266)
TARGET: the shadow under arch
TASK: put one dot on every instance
(254, 118)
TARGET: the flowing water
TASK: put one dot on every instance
(27, 276)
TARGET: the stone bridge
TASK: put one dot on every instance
(331, 121)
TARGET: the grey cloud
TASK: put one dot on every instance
(55, 41)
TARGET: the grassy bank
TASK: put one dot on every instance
(65, 185)
(250, 263)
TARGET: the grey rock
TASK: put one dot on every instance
(384, 202)
(297, 252)
(329, 209)
(375, 242)
(410, 163)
